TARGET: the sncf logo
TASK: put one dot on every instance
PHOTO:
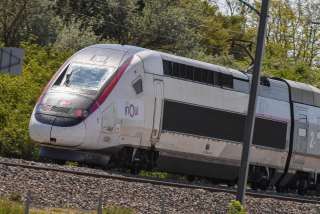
(131, 110)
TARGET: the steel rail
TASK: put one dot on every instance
(139, 179)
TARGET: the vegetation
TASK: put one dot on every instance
(50, 31)
(154, 174)
(9, 207)
(72, 164)
(235, 207)
(18, 95)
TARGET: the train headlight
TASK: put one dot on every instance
(80, 113)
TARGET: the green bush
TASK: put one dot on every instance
(18, 95)
(235, 207)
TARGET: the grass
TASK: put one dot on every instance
(154, 174)
(7, 207)
(163, 175)
(72, 164)
(10, 207)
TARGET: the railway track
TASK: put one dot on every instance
(140, 179)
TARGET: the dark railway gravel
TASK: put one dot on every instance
(56, 189)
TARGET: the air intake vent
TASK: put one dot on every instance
(196, 74)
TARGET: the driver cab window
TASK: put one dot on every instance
(86, 75)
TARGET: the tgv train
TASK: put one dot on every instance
(132, 107)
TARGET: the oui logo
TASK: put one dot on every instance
(131, 110)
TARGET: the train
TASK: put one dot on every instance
(126, 106)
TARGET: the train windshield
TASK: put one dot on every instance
(87, 76)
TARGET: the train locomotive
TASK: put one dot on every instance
(126, 106)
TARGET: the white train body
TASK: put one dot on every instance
(190, 113)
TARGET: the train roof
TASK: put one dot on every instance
(300, 92)
(204, 65)
(125, 48)
(304, 93)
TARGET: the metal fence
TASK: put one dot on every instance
(28, 204)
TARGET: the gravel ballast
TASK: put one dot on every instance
(56, 189)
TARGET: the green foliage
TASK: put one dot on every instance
(72, 164)
(9, 207)
(18, 95)
(154, 174)
(235, 207)
(109, 19)
(73, 38)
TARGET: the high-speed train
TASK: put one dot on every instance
(132, 107)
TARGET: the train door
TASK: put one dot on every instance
(302, 132)
(314, 136)
(157, 113)
(317, 137)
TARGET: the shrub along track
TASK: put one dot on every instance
(154, 181)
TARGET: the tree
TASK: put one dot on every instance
(164, 25)
(108, 19)
(72, 37)
(12, 19)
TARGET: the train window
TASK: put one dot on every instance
(210, 79)
(197, 75)
(189, 74)
(175, 69)
(225, 80)
(167, 67)
(61, 76)
(182, 71)
(87, 76)
(204, 75)
(137, 86)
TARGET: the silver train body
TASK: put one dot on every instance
(143, 108)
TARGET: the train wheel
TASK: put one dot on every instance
(254, 186)
(281, 189)
(264, 183)
(259, 178)
(302, 186)
(135, 169)
(231, 183)
(190, 178)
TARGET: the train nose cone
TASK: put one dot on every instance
(39, 132)
(59, 118)
(55, 133)
(72, 136)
